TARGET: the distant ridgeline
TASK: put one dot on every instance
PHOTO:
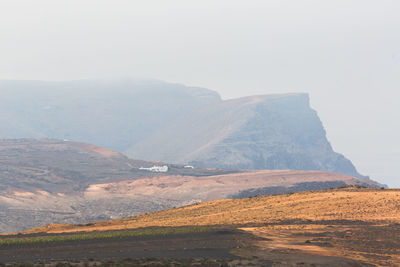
(153, 120)
(298, 187)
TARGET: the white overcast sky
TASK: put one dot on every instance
(345, 53)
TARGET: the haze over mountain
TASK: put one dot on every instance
(114, 114)
(345, 54)
(155, 120)
(260, 132)
(230, 132)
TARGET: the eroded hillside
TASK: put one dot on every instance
(51, 181)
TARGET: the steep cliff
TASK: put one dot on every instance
(260, 132)
(155, 120)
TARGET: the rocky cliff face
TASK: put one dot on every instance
(261, 132)
(170, 122)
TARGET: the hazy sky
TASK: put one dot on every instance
(345, 53)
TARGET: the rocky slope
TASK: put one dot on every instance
(260, 132)
(51, 181)
(169, 122)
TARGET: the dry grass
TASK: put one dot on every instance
(368, 205)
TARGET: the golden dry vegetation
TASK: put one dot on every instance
(368, 205)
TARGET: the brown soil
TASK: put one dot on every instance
(368, 243)
(216, 244)
(224, 247)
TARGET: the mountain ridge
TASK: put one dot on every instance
(173, 123)
(256, 132)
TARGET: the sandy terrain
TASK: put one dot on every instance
(210, 187)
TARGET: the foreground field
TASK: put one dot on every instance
(190, 242)
(341, 227)
(186, 246)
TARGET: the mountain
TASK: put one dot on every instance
(154, 120)
(112, 114)
(54, 181)
(260, 132)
